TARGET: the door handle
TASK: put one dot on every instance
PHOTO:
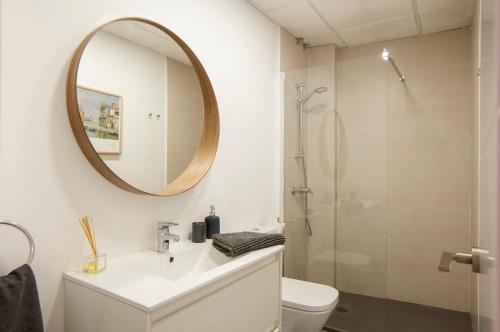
(476, 258)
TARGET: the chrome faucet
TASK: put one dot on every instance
(164, 236)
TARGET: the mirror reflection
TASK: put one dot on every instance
(140, 102)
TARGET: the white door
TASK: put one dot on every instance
(487, 168)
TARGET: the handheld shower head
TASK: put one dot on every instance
(319, 90)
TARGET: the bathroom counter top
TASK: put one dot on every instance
(148, 280)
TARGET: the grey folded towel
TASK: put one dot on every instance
(235, 244)
(19, 302)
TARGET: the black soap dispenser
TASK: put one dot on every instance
(213, 223)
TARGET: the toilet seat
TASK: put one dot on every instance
(308, 296)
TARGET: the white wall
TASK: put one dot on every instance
(46, 183)
(139, 75)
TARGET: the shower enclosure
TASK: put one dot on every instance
(377, 178)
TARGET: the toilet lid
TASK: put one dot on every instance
(308, 296)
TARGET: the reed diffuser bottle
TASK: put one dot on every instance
(96, 262)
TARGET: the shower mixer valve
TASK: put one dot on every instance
(301, 190)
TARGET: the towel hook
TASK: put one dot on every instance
(26, 233)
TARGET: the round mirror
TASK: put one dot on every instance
(142, 108)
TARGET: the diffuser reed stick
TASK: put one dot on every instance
(88, 229)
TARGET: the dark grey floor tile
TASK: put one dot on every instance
(359, 313)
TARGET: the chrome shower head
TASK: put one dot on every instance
(386, 55)
(319, 90)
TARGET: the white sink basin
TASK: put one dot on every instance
(189, 260)
(148, 279)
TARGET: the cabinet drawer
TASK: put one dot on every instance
(249, 304)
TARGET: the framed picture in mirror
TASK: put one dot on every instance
(101, 113)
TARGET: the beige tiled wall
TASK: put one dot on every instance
(321, 117)
(405, 169)
(309, 258)
(294, 68)
(292, 55)
(362, 225)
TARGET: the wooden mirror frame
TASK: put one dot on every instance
(205, 153)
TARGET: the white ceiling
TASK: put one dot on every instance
(356, 22)
(149, 37)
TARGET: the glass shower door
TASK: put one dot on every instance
(403, 184)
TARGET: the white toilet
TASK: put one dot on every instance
(305, 306)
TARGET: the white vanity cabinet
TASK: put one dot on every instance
(246, 299)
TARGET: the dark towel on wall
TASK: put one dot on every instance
(19, 303)
(235, 244)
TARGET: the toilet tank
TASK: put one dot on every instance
(263, 229)
(273, 227)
